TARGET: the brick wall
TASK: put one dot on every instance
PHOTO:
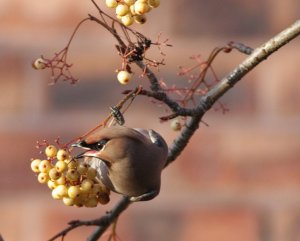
(237, 180)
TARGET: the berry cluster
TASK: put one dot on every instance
(73, 182)
(130, 11)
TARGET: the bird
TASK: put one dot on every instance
(129, 161)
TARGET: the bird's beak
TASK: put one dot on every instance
(77, 144)
(88, 153)
(81, 144)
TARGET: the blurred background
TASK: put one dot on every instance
(239, 178)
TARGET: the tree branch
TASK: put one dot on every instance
(259, 54)
(154, 85)
(110, 218)
(206, 102)
(103, 222)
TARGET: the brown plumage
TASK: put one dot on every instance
(129, 161)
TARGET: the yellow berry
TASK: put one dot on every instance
(129, 2)
(50, 151)
(43, 178)
(122, 9)
(35, 165)
(154, 3)
(99, 188)
(59, 192)
(72, 175)
(132, 11)
(119, 17)
(68, 201)
(45, 166)
(111, 3)
(141, 19)
(54, 174)
(91, 173)
(81, 199)
(61, 180)
(62, 155)
(51, 184)
(96, 189)
(39, 64)
(60, 166)
(78, 203)
(127, 20)
(72, 164)
(91, 202)
(86, 185)
(84, 196)
(141, 8)
(124, 77)
(82, 168)
(175, 125)
(74, 191)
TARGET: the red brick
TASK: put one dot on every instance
(277, 91)
(226, 224)
(245, 161)
(57, 216)
(253, 159)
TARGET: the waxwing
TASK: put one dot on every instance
(128, 161)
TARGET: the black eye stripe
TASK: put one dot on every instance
(99, 145)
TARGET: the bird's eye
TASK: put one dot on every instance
(100, 145)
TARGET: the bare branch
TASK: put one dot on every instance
(226, 83)
(182, 140)
(206, 102)
(258, 55)
(196, 114)
(155, 87)
(110, 218)
(103, 222)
